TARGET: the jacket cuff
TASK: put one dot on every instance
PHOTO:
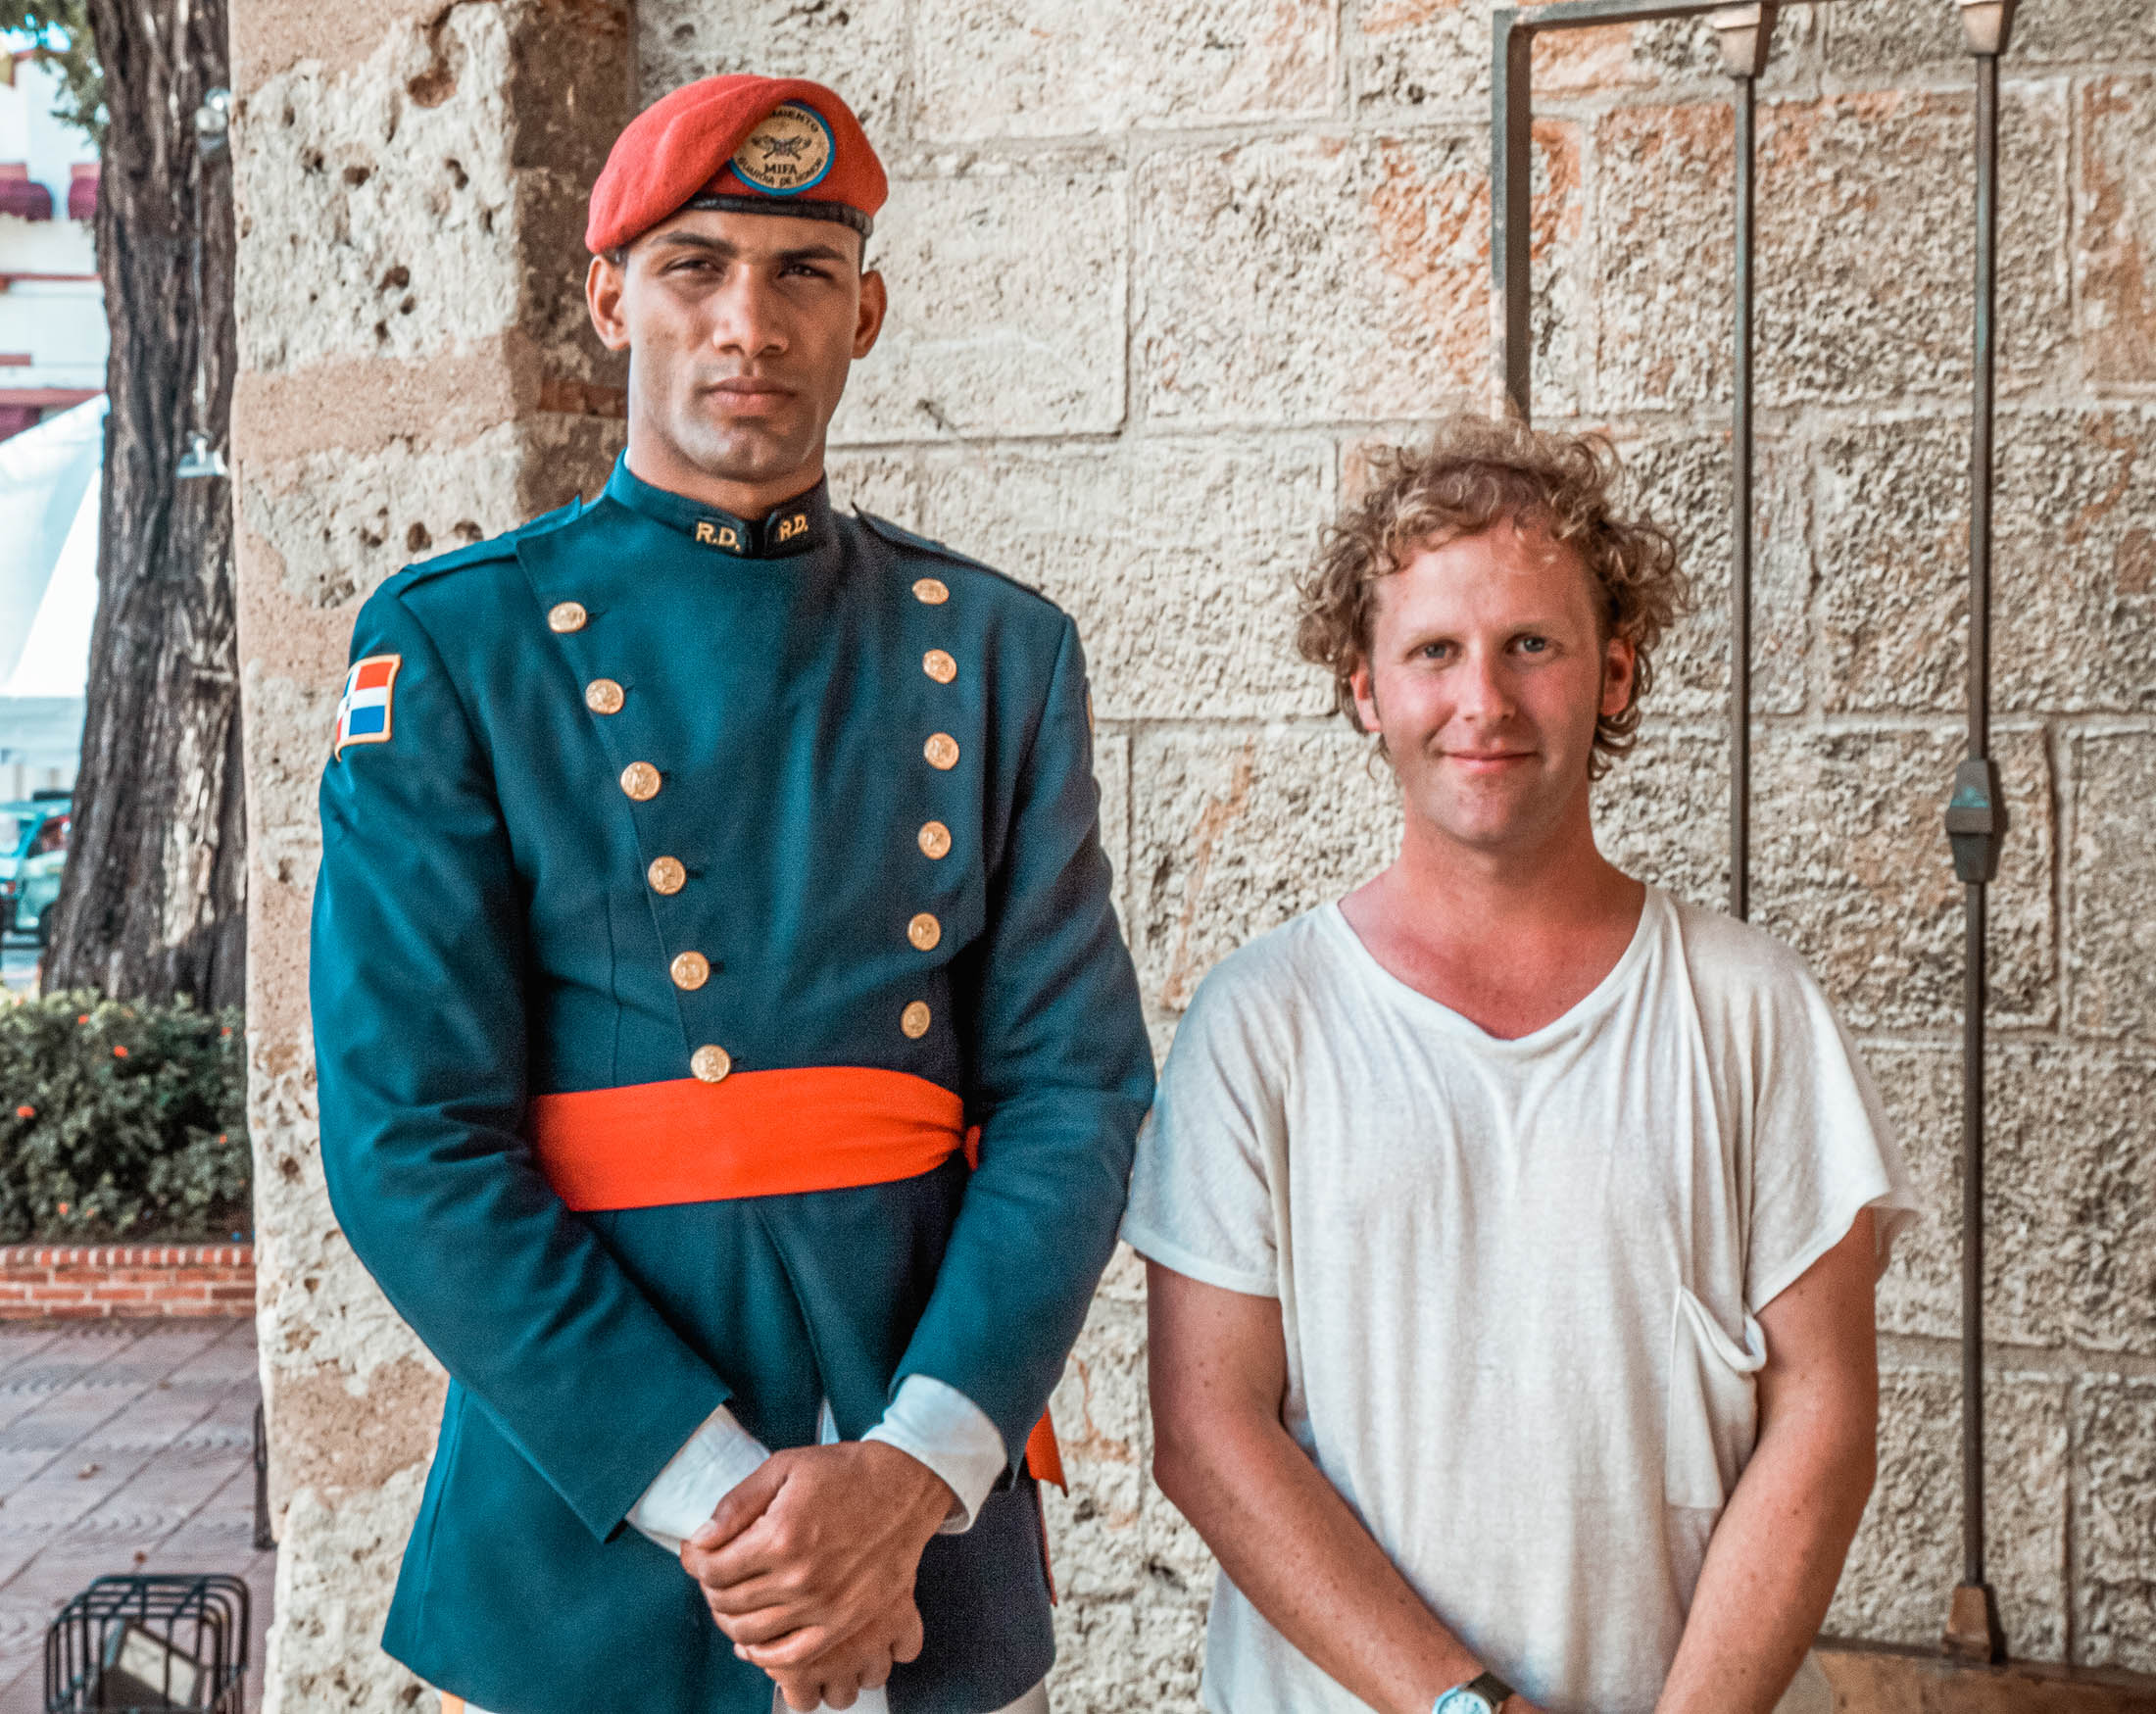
(936, 1423)
(714, 1461)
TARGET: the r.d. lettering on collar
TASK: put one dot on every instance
(753, 539)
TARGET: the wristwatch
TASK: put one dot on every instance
(1480, 1695)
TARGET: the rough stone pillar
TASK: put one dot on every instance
(415, 372)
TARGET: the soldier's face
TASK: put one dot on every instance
(1487, 673)
(740, 331)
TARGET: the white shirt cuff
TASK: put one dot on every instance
(948, 1432)
(713, 1462)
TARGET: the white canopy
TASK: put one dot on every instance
(49, 486)
(50, 479)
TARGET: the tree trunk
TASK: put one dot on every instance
(152, 902)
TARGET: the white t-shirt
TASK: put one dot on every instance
(1518, 1280)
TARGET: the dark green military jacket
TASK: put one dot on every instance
(808, 694)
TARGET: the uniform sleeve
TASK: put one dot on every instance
(416, 981)
(1060, 1075)
(1822, 1151)
(1201, 1195)
(719, 1458)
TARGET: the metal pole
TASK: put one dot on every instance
(1976, 825)
(1977, 984)
(1747, 37)
(1512, 203)
(1741, 539)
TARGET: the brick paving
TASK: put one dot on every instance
(123, 1447)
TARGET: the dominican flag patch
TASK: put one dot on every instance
(363, 713)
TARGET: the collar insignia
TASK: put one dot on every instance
(796, 527)
(782, 532)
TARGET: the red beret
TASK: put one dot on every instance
(779, 144)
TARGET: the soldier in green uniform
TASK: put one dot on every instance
(728, 1061)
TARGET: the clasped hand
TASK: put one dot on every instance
(809, 1566)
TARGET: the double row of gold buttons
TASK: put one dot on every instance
(667, 876)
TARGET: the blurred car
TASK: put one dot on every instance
(34, 849)
(19, 825)
(37, 886)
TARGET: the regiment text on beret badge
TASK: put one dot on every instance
(789, 152)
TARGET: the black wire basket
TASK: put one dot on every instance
(150, 1645)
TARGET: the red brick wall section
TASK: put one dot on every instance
(56, 1281)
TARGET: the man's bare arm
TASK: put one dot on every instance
(1777, 1554)
(1219, 1369)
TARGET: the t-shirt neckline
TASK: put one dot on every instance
(1583, 1012)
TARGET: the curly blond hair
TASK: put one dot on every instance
(1476, 473)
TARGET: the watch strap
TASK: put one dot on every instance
(1491, 1688)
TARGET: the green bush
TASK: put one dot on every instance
(121, 1123)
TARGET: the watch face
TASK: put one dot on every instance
(1463, 1701)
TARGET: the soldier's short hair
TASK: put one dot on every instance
(1474, 473)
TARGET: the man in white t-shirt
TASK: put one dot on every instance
(1513, 1227)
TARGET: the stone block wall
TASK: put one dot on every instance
(1162, 271)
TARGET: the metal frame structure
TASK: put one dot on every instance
(150, 1641)
(1976, 817)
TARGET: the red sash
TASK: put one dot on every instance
(755, 1134)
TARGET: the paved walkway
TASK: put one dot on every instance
(123, 1447)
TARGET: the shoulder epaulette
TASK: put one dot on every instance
(900, 537)
(501, 547)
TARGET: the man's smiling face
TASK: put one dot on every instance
(741, 329)
(1487, 671)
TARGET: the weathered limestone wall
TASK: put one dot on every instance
(415, 374)
(1161, 270)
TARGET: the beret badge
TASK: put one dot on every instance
(788, 154)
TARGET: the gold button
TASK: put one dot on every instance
(603, 697)
(913, 1020)
(924, 931)
(641, 781)
(667, 876)
(938, 667)
(711, 1064)
(690, 970)
(935, 839)
(941, 750)
(567, 615)
(931, 592)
